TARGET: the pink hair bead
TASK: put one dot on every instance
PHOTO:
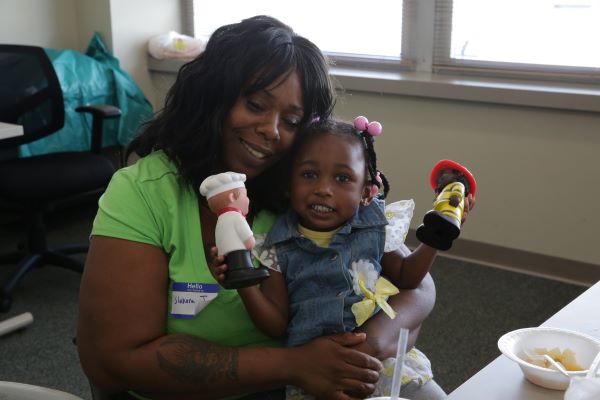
(375, 128)
(361, 123)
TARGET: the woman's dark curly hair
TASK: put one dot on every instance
(240, 59)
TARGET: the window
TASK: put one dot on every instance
(361, 32)
(556, 38)
(541, 39)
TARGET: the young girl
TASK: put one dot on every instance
(335, 257)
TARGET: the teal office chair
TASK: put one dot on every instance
(31, 96)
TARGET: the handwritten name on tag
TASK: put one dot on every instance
(188, 299)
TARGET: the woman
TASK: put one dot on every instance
(151, 320)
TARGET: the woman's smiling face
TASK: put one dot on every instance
(260, 128)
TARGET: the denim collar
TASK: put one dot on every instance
(286, 227)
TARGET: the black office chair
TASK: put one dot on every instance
(31, 96)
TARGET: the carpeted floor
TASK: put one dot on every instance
(43, 353)
(475, 306)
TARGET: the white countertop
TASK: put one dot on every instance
(10, 130)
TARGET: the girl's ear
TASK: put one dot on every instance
(367, 195)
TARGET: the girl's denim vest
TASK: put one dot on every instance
(319, 284)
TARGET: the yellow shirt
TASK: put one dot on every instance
(321, 239)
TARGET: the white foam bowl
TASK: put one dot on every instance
(513, 344)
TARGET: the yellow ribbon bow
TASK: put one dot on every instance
(365, 308)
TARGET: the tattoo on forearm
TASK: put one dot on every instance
(193, 360)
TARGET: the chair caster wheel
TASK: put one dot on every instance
(5, 303)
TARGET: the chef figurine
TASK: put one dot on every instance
(451, 183)
(227, 197)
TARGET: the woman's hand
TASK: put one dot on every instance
(329, 369)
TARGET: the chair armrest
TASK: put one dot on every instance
(99, 112)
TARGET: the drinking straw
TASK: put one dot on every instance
(400, 352)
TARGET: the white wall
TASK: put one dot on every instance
(133, 22)
(94, 16)
(125, 27)
(46, 23)
(536, 169)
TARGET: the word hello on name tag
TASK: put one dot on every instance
(188, 299)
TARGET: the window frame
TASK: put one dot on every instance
(444, 64)
(418, 75)
(338, 59)
(423, 51)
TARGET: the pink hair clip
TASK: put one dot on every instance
(362, 124)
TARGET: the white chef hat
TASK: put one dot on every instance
(220, 183)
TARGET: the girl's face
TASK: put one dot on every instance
(328, 181)
(261, 127)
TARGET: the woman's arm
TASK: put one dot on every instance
(412, 307)
(123, 344)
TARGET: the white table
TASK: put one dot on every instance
(10, 130)
(22, 391)
(502, 379)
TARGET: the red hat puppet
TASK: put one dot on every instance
(449, 164)
(451, 182)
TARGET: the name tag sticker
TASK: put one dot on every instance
(188, 299)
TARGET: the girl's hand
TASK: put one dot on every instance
(469, 204)
(217, 266)
(328, 368)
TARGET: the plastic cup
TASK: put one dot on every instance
(385, 398)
